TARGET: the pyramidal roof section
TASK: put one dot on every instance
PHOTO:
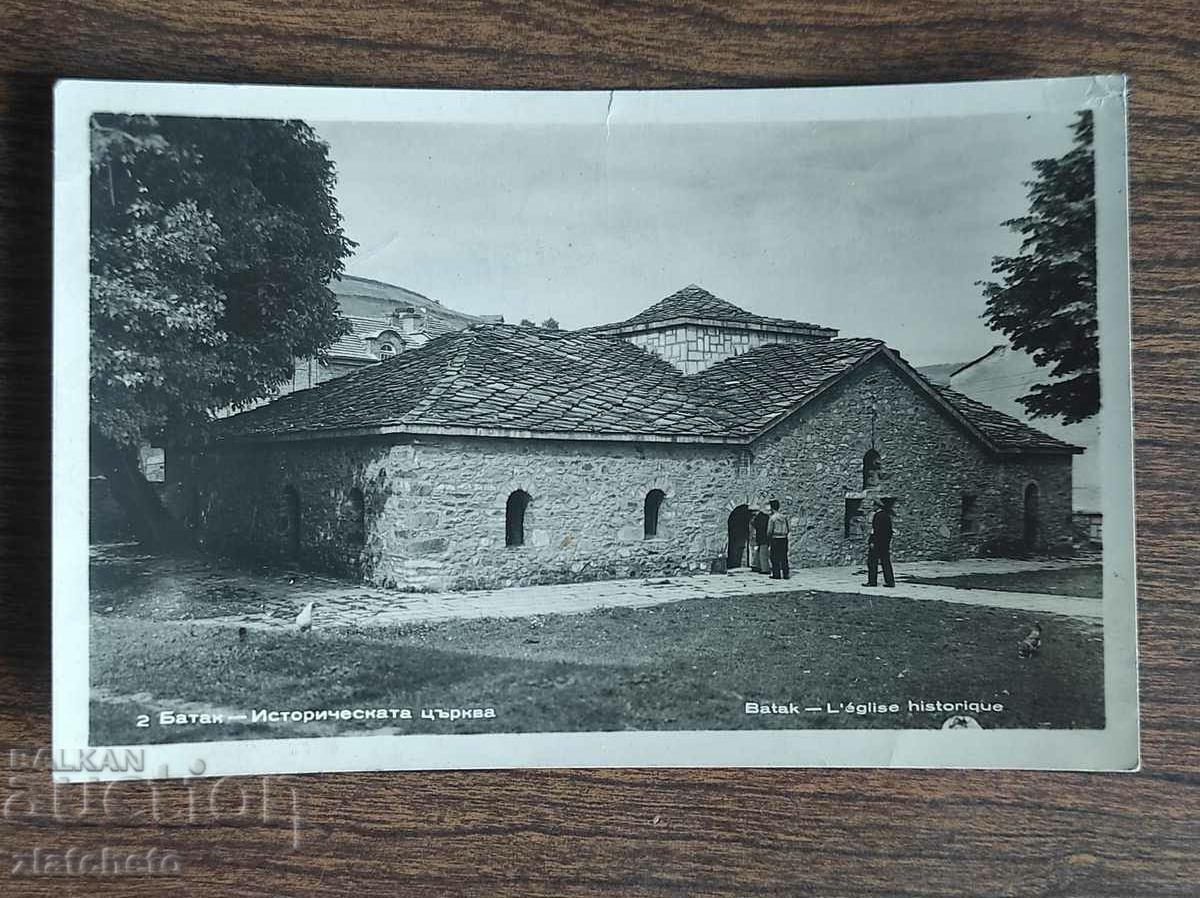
(695, 305)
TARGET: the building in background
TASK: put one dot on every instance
(385, 321)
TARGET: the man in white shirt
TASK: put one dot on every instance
(778, 529)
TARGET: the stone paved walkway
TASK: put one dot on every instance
(340, 604)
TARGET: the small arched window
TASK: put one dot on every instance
(514, 518)
(354, 519)
(871, 466)
(654, 501)
(387, 350)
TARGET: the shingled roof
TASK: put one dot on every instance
(695, 305)
(757, 389)
(497, 377)
(502, 380)
(1001, 429)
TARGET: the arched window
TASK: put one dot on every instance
(289, 521)
(654, 502)
(514, 518)
(354, 519)
(1032, 521)
(970, 513)
(872, 465)
(387, 350)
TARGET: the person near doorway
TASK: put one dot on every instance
(879, 546)
(762, 542)
(778, 529)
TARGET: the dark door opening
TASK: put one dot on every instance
(290, 522)
(738, 547)
(1032, 523)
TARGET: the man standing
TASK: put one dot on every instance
(778, 529)
(879, 547)
(762, 543)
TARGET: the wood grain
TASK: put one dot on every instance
(638, 833)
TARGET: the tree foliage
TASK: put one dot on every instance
(550, 324)
(212, 242)
(1045, 298)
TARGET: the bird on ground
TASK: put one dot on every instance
(1032, 643)
(304, 618)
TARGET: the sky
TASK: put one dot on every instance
(879, 229)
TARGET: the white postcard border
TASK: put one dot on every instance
(1113, 748)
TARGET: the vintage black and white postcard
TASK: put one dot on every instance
(439, 429)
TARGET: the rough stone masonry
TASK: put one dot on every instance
(416, 489)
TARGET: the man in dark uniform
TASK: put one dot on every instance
(879, 547)
(778, 529)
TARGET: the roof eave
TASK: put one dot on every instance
(496, 432)
(1065, 449)
(921, 383)
(820, 391)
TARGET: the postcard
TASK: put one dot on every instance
(429, 429)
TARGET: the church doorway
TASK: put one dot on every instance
(1032, 523)
(738, 547)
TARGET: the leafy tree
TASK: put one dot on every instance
(212, 242)
(1045, 300)
(550, 324)
(525, 322)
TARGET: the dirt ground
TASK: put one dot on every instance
(1085, 580)
(689, 665)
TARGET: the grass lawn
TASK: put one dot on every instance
(689, 665)
(1085, 580)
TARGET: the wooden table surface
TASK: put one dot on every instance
(634, 833)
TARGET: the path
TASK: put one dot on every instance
(200, 594)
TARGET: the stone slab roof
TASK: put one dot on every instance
(758, 389)
(498, 377)
(495, 379)
(1001, 429)
(694, 305)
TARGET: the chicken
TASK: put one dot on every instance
(304, 618)
(1032, 643)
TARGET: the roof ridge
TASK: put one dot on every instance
(503, 379)
(694, 302)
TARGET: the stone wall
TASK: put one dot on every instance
(433, 508)
(1005, 374)
(928, 464)
(692, 348)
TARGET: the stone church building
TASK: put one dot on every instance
(503, 455)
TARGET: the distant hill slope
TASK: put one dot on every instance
(366, 298)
